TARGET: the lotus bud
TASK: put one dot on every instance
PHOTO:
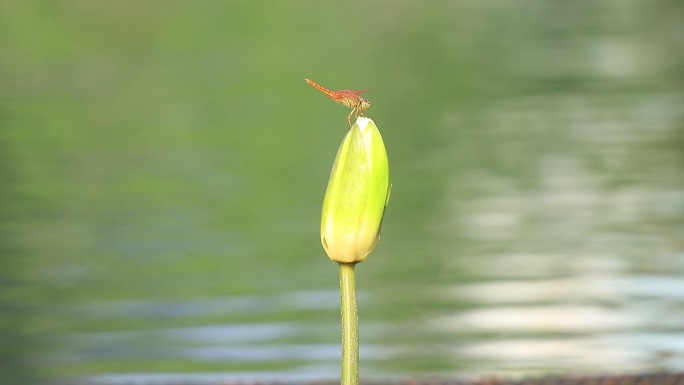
(358, 192)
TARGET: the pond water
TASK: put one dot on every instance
(164, 164)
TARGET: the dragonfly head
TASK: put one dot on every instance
(365, 104)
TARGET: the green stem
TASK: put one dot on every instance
(350, 326)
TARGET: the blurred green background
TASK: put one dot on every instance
(163, 164)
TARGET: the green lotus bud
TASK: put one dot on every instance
(357, 194)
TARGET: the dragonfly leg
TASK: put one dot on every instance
(349, 117)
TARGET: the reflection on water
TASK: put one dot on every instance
(164, 173)
(251, 343)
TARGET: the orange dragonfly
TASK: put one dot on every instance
(349, 98)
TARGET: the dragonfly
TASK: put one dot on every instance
(349, 98)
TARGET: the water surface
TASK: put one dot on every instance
(164, 167)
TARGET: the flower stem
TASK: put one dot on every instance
(350, 326)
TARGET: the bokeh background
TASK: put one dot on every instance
(163, 164)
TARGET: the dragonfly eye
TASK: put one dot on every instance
(365, 104)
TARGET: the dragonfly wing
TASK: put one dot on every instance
(352, 92)
(346, 94)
